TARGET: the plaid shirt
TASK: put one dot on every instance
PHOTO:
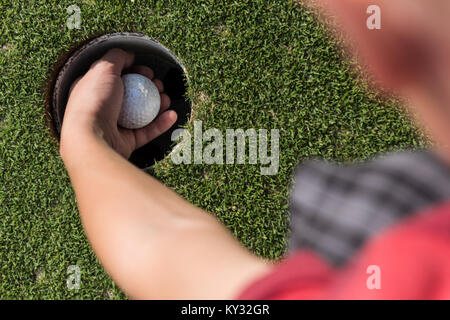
(336, 208)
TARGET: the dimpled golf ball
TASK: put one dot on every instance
(141, 101)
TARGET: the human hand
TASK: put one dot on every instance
(94, 105)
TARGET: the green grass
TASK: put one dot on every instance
(252, 64)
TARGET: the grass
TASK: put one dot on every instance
(252, 64)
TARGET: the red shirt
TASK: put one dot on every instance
(408, 261)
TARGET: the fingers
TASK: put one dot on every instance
(158, 83)
(115, 60)
(143, 70)
(165, 102)
(146, 72)
(155, 129)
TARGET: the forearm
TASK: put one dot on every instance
(152, 242)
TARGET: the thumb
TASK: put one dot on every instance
(157, 127)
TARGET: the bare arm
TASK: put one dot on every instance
(152, 242)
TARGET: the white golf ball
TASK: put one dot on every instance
(141, 101)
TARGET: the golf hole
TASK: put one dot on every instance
(148, 52)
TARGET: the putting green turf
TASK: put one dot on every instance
(252, 64)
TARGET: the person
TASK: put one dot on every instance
(377, 230)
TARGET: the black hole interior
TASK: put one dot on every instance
(147, 52)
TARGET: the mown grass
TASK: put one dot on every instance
(252, 64)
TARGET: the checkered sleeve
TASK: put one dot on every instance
(335, 208)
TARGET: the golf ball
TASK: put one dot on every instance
(141, 101)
